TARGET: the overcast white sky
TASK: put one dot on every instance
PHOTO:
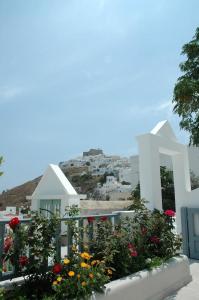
(76, 74)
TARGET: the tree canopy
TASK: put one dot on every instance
(1, 160)
(186, 91)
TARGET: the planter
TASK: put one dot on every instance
(150, 285)
(144, 285)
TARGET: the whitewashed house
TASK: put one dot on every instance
(54, 192)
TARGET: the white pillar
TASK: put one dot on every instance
(149, 170)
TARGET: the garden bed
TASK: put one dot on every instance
(150, 285)
(115, 255)
(144, 285)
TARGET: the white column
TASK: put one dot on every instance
(149, 169)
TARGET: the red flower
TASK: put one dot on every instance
(103, 218)
(143, 230)
(130, 246)
(134, 253)
(90, 219)
(57, 268)
(23, 260)
(132, 250)
(7, 243)
(154, 239)
(170, 213)
(14, 222)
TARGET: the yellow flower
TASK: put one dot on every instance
(55, 282)
(84, 265)
(78, 276)
(71, 273)
(59, 278)
(110, 272)
(91, 275)
(85, 255)
(66, 261)
(83, 283)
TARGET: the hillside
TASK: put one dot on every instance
(17, 195)
(80, 178)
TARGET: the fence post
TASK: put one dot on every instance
(185, 231)
(81, 228)
(16, 252)
(2, 231)
(58, 242)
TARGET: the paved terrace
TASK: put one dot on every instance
(191, 290)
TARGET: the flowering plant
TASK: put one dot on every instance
(142, 241)
(28, 248)
(14, 222)
(78, 276)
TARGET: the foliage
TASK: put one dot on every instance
(186, 91)
(137, 204)
(168, 193)
(145, 235)
(125, 183)
(79, 275)
(136, 192)
(2, 292)
(194, 181)
(1, 161)
(167, 184)
(111, 251)
(29, 250)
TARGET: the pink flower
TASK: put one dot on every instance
(57, 268)
(23, 260)
(132, 250)
(103, 218)
(7, 243)
(14, 222)
(90, 219)
(134, 253)
(154, 239)
(130, 246)
(170, 213)
(143, 230)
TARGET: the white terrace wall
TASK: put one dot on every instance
(163, 140)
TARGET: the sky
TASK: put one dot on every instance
(81, 74)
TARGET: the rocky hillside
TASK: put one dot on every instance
(82, 181)
(17, 195)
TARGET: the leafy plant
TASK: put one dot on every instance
(186, 91)
(31, 247)
(78, 276)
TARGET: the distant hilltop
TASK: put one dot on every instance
(92, 152)
(98, 176)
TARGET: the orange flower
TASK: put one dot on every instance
(91, 275)
(93, 262)
(84, 283)
(71, 273)
(110, 272)
(66, 261)
(85, 255)
(84, 265)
